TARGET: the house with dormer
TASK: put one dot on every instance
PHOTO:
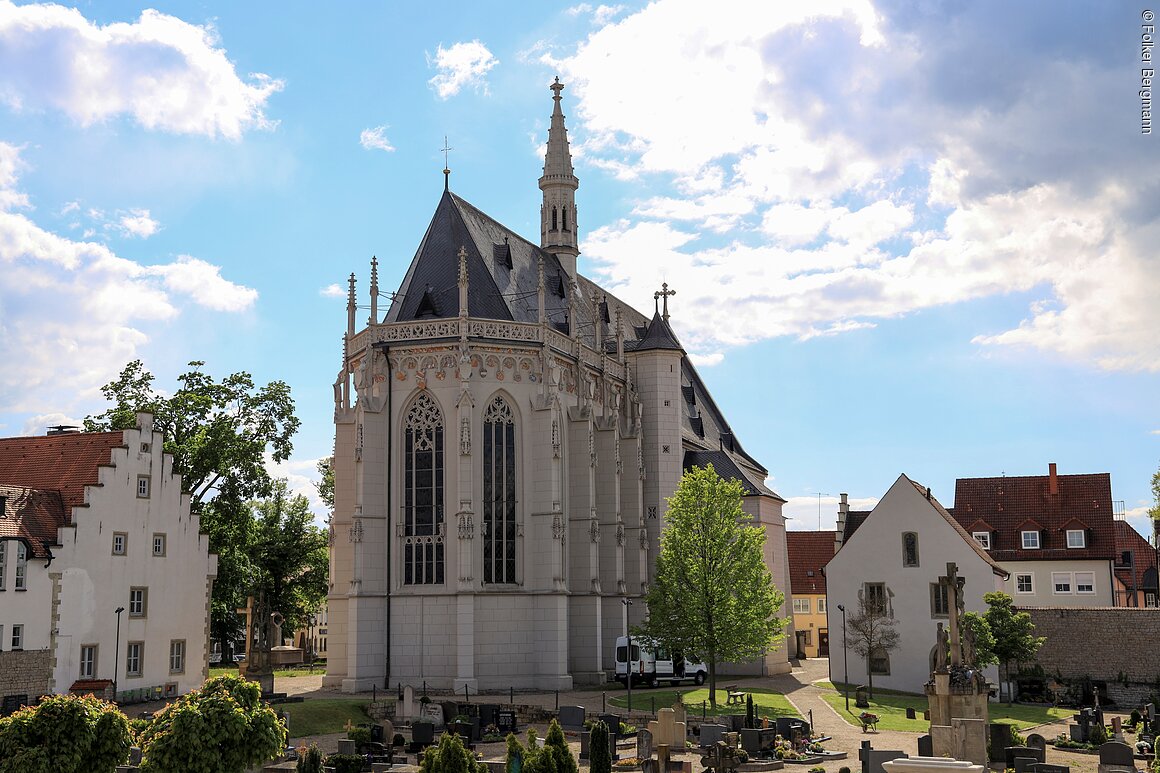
(105, 575)
(809, 551)
(1055, 533)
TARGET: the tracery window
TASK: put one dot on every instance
(910, 549)
(423, 493)
(499, 493)
(554, 219)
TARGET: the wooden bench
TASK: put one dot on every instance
(734, 696)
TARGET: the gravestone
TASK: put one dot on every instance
(506, 719)
(680, 713)
(910, 713)
(711, 734)
(1117, 729)
(432, 713)
(1024, 764)
(666, 731)
(407, 705)
(872, 758)
(347, 746)
(787, 725)
(488, 715)
(1036, 741)
(1116, 757)
(450, 710)
(644, 743)
(931, 765)
(754, 740)
(423, 732)
(1011, 753)
(1043, 767)
(572, 717)
(612, 722)
(999, 734)
(925, 746)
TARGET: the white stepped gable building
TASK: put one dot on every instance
(93, 522)
(506, 437)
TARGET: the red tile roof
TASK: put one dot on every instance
(1008, 503)
(809, 551)
(1143, 556)
(43, 478)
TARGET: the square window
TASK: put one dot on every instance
(138, 602)
(876, 597)
(120, 542)
(18, 637)
(801, 606)
(1031, 540)
(880, 662)
(133, 658)
(177, 656)
(821, 606)
(983, 538)
(142, 486)
(1024, 584)
(1085, 582)
(939, 600)
(88, 661)
(1061, 583)
(1076, 538)
(159, 544)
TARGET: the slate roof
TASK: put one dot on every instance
(809, 551)
(43, 478)
(727, 467)
(1008, 503)
(854, 519)
(1143, 556)
(503, 283)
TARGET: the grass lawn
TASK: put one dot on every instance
(767, 703)
(278, 674)
(325, 715)
(891, 705)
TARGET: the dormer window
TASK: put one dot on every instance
(1076, 538)
(1031, 540)
(983, 538)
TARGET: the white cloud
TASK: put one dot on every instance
(462, 64)
(75, 311)
(375, 139)
(332, 291)
(814, 173)
(802, 512)
(707, 360)
(166, 73)
(138, 223)
(601, 14)
(39, 424)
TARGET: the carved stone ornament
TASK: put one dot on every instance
(620, 535)
(466, 526)
(558, 529)
(594, 529)
(640, 460)
(652, 512)
(358, 446)
(591, 446)
(643, 539)
(556, 438)
(356, 530)
(619, 463)
(465, 436)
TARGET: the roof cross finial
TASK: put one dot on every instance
(664, 293)
(446, 165)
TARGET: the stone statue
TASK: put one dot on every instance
(968, 637)
(940, 649)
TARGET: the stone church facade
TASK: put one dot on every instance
(506, 437)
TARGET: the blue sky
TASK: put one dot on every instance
(902, 241)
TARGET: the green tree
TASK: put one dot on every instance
(972, 624)
(64, 734)
(219, 434)
(872, 633)
(1154, 511)
(1014, 633)
(222, 728)
(325, 484)
(713, 597)
(450, 756)
(600, 756)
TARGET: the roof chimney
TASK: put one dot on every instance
(1052, 480)
(843, 510)
(63, 429)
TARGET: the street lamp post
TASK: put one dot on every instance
(845, 661)
(628, 653)
(117, 651)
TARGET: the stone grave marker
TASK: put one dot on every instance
(872, 758)
(572, 717)
(1117, 729)
(925, 746)
(1036, 741)
(970, 739)
(666, 732)
(433, 713)
(711, 734)
(644, 744)
(1043, 767)
(407, 705)
(1011, 753)
(1024, 764)
(347, 746)
(999, 734)
(910, 712)
(680, 713)
(423, 732)
(1116, 757)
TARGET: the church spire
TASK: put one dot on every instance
(558, 233)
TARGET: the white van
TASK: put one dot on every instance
(652, 666)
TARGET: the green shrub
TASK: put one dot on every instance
(345, 763)
(556, 745)
(227, 716)
(817, 769)
(360, 735)
(64, 734)
(310, 761)
(599, 755)
(626, 729)
(449, 756)
(1134, 718)
(1098, 735)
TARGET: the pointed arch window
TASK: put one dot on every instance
(423, 493)
(564, 215)
(554, 213)
(499, 493)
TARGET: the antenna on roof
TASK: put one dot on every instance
(819, 495)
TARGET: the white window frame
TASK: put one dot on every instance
(1030, 583)
(20, 579)
(139, 607)
(18, 636)
(1091, 586)
(983, 538)
(1081, 542)
(159, 544)
(1058, 578)
(822, 605)
(1149, 598)
(1025, 542)
(88, 664)
(801, 606)
(143, 487)
(135, 658)
(124, 546)
(177, 656)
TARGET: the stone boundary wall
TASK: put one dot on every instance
(25, 672)
(1116, 645)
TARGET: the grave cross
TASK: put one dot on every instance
(953, 586)
(664, 293)
(248, 611)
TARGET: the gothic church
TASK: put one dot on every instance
(506, 437)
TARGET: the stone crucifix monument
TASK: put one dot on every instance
(957, 690)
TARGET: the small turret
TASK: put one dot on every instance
(558, 232)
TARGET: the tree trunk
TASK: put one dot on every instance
(713, 682)
(869, 678)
